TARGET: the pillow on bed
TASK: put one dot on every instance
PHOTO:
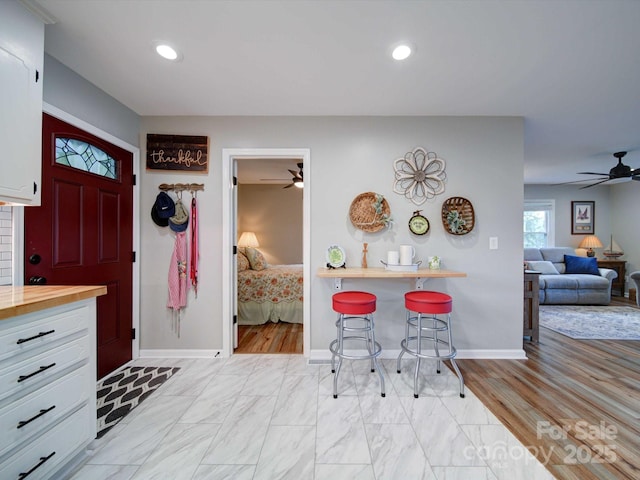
(581, 265)
(243, 262)
(542, 266)
(256, 259)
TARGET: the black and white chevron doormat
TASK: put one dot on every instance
(123, 391)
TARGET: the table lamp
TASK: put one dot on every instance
(590, 242)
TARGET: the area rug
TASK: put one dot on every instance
(592, 322)
(124, 390)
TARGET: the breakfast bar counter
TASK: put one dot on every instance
(15, 301)
(420, 275)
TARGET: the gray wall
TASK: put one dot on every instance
(351, 155)
(625, 199)
(65, 89)
(564, 195)
(274, 214)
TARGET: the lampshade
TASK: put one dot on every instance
(591, 241)
(248, 239)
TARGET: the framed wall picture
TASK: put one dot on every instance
(582, 218)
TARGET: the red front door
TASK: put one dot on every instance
(83, 232)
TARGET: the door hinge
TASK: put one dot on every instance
(133, 180)
(235, 250)
(235, 181)
(133, 257)
(37, 76)
(35, 188)
(133, 334)
(235, 319)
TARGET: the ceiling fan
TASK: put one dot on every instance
(297, 179)
(619, 171)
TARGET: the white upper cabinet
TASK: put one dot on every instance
(21, 64)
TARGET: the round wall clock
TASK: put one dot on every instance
(418, 224)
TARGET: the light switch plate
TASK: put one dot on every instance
(493, 243)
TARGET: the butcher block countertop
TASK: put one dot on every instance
(16, 301)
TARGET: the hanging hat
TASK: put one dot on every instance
(162, 209)
(179, 221)
(165, 207)
(161, 222)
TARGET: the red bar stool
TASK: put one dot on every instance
(422, 310)
(356, 319)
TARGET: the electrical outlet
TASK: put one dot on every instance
(493, 243)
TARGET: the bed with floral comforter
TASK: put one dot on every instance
(270, 295)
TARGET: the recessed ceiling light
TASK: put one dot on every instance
(167, 52)
(401, 52)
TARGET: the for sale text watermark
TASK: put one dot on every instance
(599, 438)
(598, 446)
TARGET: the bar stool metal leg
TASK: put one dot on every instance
(427, 306)
(356, 318)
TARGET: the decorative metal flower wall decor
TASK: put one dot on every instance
(419, 175)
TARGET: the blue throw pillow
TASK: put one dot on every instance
(587, 265)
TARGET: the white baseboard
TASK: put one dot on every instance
(324, 355)
(161, 353)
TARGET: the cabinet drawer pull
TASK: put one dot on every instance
(40, 463)
(22, 423)
(41, 334)
(21, 378)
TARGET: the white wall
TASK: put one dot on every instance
(351, 155)
(274, 214)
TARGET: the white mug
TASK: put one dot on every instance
(434, 263)
(407, 252)
(393, 257)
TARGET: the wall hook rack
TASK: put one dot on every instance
(181, 187)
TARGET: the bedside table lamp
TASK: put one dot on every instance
(590, 242)
(249, 239)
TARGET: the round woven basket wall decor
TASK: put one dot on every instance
(370, 212)
(458, 217)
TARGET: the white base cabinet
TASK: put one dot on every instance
(47, 390)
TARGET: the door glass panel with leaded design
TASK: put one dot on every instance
(86, 157)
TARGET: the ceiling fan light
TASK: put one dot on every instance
(298, 183)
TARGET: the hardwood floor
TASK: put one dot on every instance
(271, 337)
(574, 403)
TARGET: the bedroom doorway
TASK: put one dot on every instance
(269, 263)
(279, 219)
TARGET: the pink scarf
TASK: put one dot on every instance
(178, 278)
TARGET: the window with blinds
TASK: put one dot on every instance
(538, 221)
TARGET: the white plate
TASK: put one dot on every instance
(335, 256)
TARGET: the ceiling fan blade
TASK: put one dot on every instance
(594, 184)
(579, 181)
(593, 173)
(288, 186)
(295, 174)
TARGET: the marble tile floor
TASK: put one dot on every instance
(267, 417)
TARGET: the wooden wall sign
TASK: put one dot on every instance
(177, 152)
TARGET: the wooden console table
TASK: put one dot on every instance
(377, 272)
(531, 305)
(620, 268)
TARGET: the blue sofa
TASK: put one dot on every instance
(560, 288)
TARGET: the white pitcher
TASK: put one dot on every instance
(407, 253)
